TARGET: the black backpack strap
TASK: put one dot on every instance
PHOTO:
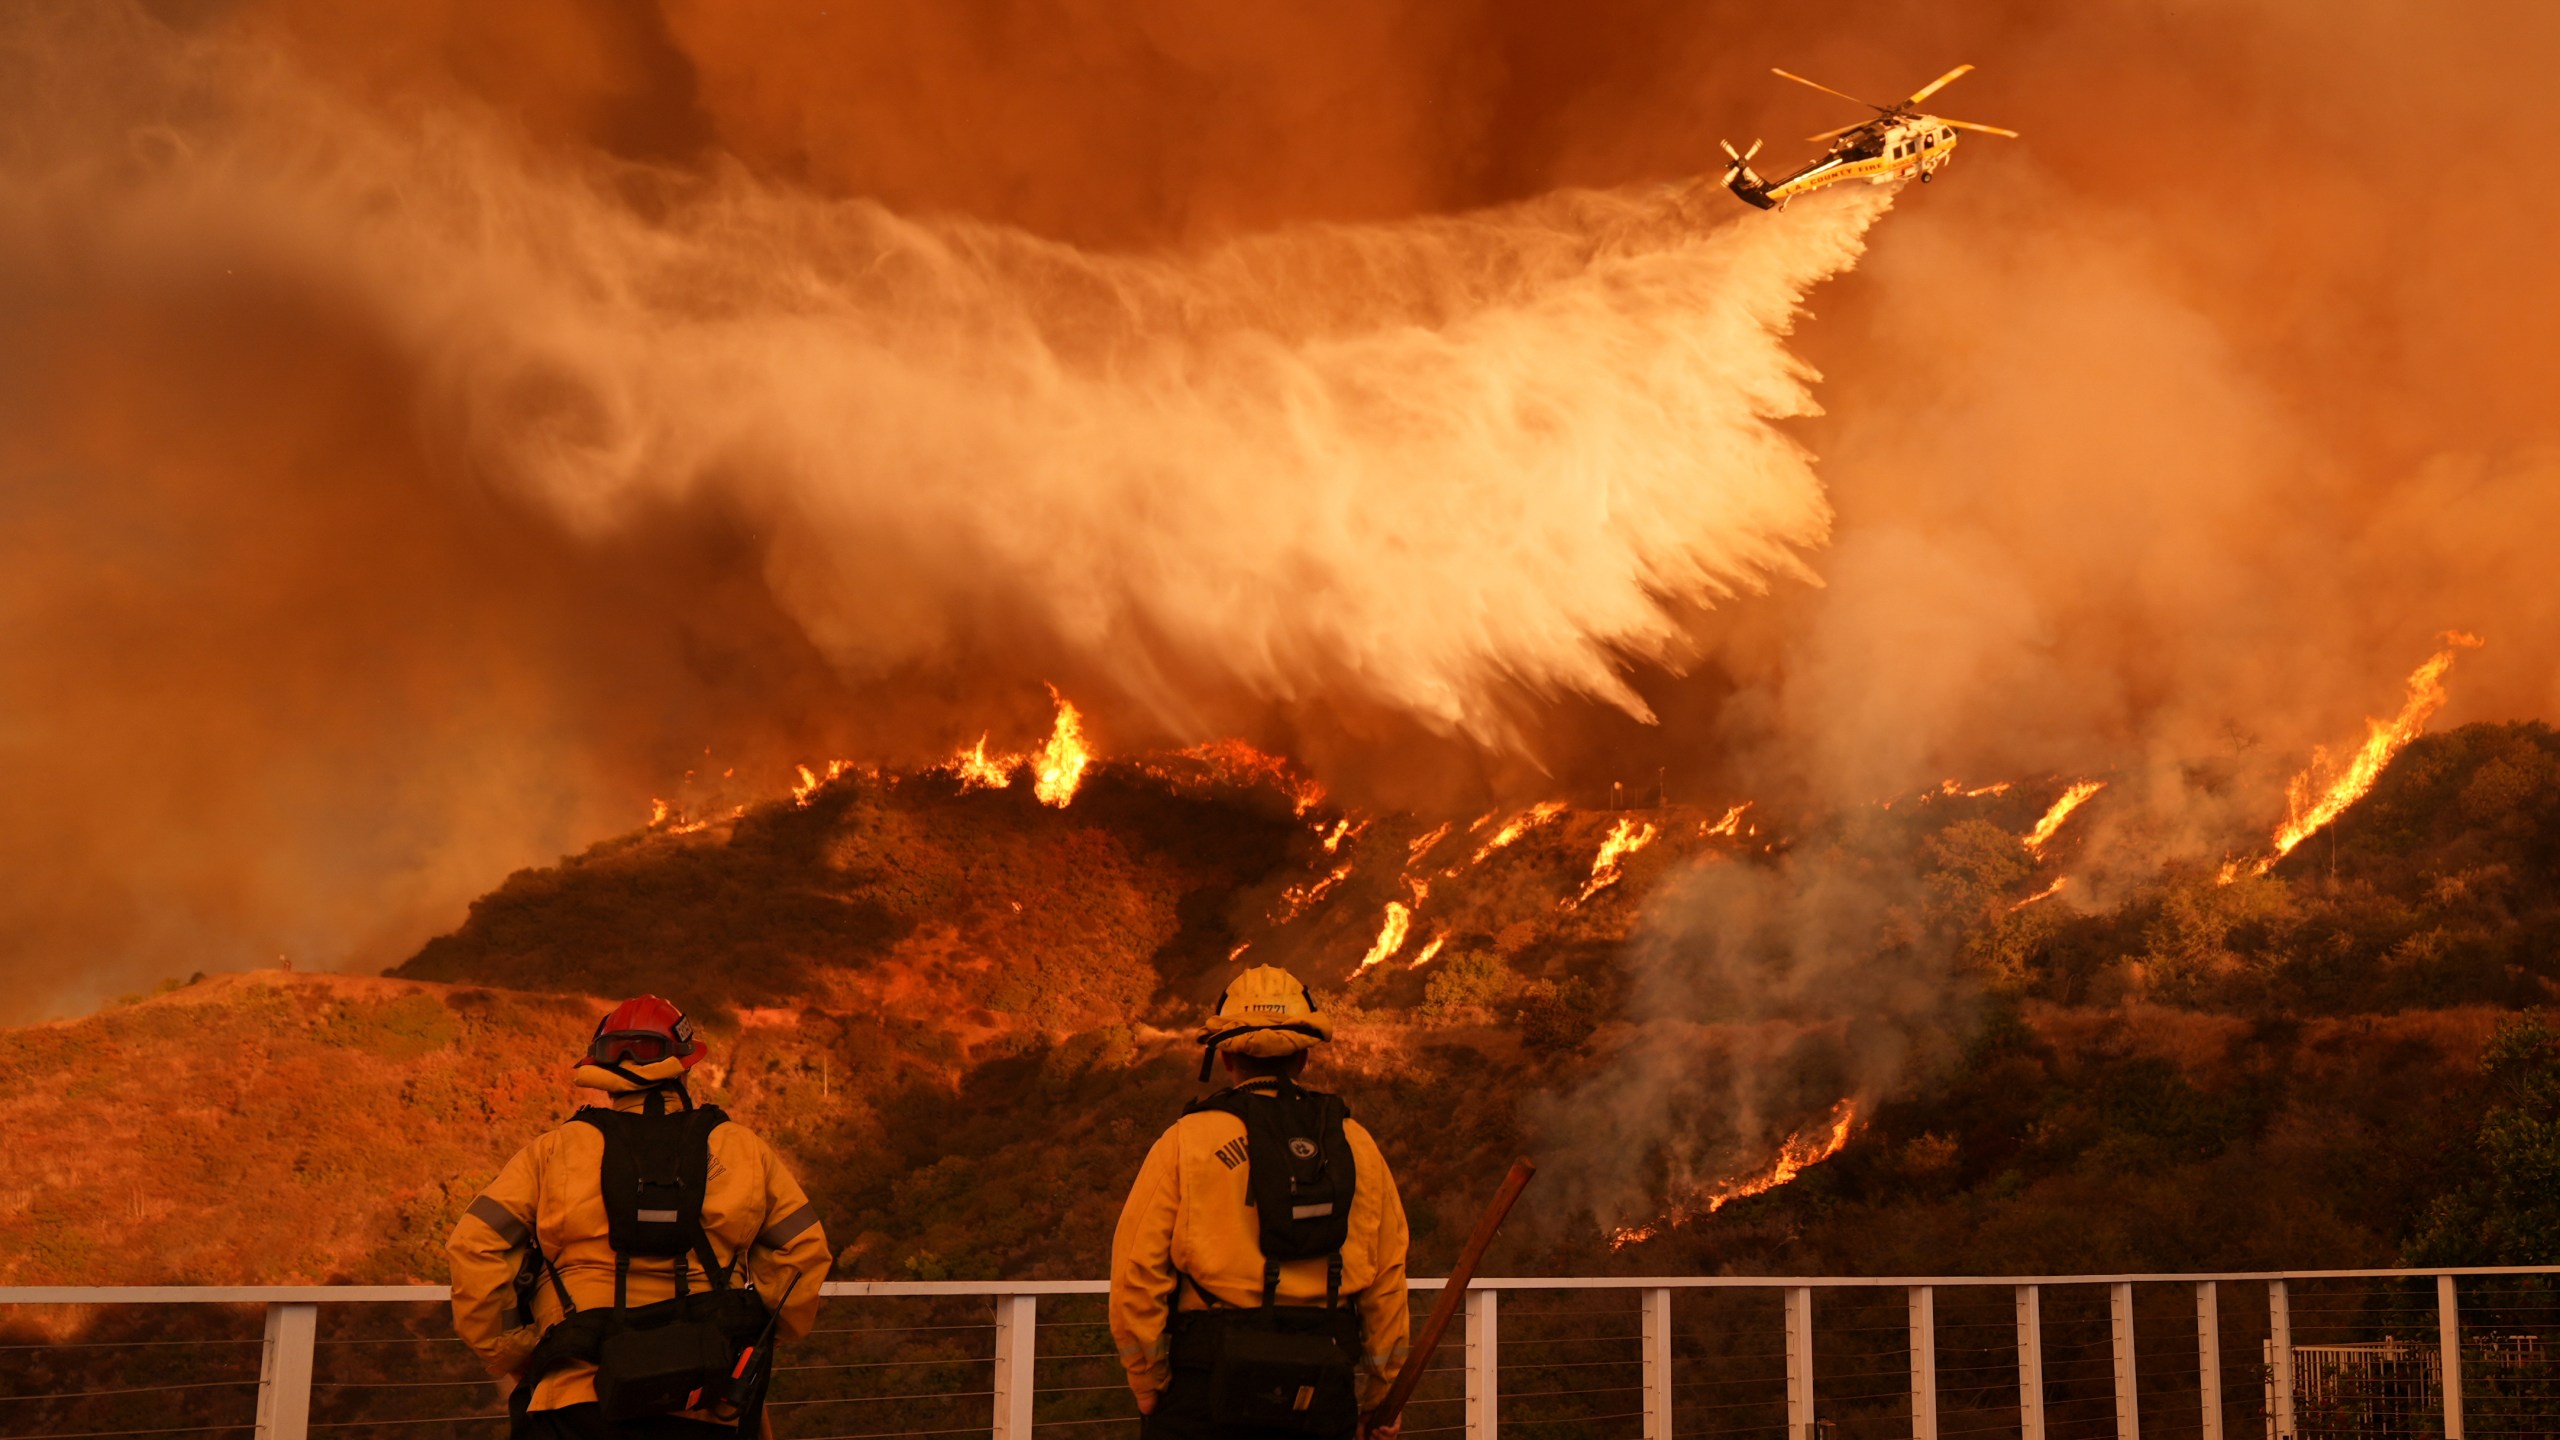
(1333, 1281)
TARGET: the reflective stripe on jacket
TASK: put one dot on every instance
(554, 1186)
(1191, 1208)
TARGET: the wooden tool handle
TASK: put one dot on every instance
(1452, 1294)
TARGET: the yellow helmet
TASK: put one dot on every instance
(1265, 1012)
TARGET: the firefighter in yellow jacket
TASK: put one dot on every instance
(674, 1224)
(1257, 1275)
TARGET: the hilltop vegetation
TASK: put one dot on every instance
(963, 1015)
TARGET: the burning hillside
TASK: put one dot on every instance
(963, 1011)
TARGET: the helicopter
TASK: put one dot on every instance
(1899, 143)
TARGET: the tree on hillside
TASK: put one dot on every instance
(2509, 1212)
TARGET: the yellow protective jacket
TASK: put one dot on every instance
(1191, 1208)
(553, 1189)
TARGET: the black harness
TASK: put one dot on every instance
(695, 1351)
(1289, 1367)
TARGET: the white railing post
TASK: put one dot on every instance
(2279, 1362)
(1484, 1371)
(1800, 1362)
(2030, 1363)
(284, 1371)
(2449, 1335)
(1017, 1356)
(2120, 1329)
(1924, 1363)
(1657, 1364)
(2209, 1357)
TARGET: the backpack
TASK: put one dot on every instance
(1286, 1367)
(695, 1351)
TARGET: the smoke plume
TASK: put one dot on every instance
(425, 427)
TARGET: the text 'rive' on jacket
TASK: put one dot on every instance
(1192, 1209)
(552, 1188)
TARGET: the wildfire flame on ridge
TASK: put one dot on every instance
(1057, 767)
(1625, 839)
(1730, 825)
(2306, 812)
(2046, 893)
(1391, 935)
(1795, 1153)
(2071, 799)
(1517, 826)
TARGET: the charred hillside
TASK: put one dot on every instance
(963, 1011)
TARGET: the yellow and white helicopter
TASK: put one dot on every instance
(1899, 143)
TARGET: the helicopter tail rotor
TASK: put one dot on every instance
(1741, 166)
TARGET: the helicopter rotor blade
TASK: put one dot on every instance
(1970, 125)
(1934, 86)
(1827, 90)
(1835, 134)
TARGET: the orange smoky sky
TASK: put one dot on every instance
(426, 429)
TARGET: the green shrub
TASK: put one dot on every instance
(1558, 1016)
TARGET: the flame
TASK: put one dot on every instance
(1430, 950)
(1237, 953)
(1059, 767)
(2072, 799)
(1295, 900)
(1730, 825)
(2046, 893)
(657, 812)
(1233, 762)
(1957, 790)
(1343, 830)
(1795, 1154)
(1422, 847)
(2306, 812)
(1625, 839)
(977, 770)
(1517, 826)
(811, 782)
(1390, 935)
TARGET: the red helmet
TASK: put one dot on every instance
(644, 1031)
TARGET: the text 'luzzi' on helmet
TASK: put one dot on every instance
(1268, 1013)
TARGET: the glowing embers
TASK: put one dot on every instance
(1295, 900)
(2046, 893)
(1955, 789)
(1795, 1154)
(1608, 868)
(2071, 799)
(2310, 803)
(1057, 767)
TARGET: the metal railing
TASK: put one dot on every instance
(2044, 1357)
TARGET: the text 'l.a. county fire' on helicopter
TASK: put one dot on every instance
(1899, 143)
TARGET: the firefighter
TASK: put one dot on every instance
(1258, 1272)
(663, 1227)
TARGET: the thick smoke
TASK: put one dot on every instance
(1440, 469)
(1759, 998)
(424, 427)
